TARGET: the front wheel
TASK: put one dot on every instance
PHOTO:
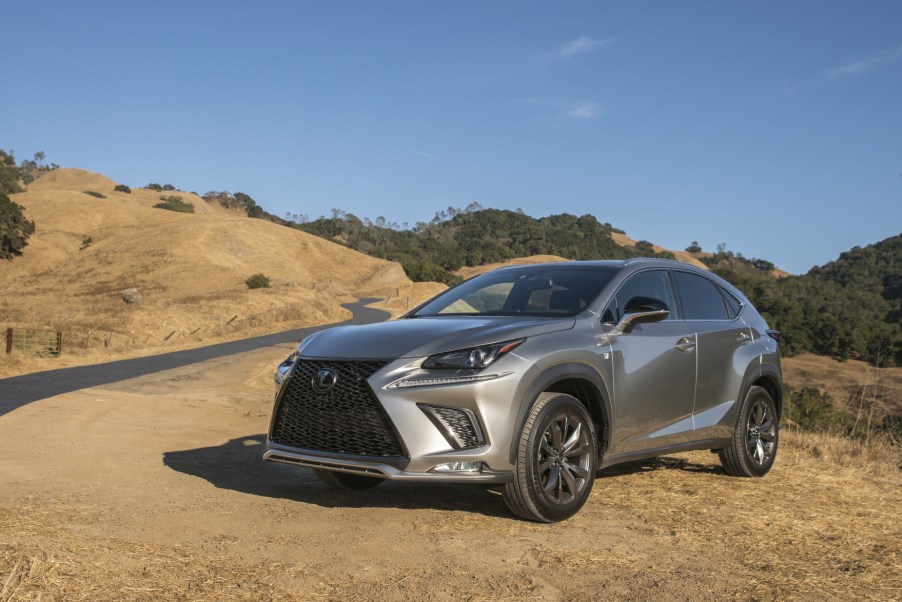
(556, 460)
(753, 447)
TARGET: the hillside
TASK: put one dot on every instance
(848, 308)
(190, 269)
(475, 236)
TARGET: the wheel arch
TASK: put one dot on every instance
(771, 383)
(580, 381)
(768, 378)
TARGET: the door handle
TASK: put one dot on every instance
(743, 338)
(685, 344)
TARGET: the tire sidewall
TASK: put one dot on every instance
(751, 467)
(553, 408)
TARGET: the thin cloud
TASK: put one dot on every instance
(586, 110)
(866, 65)
(565, 110)
(848, 69)
(423, 154)
(581, 45)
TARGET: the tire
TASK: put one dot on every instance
(556, 461)
(753, 448)
(347, 480)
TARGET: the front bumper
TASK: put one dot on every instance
(370, 468)
(428, 451)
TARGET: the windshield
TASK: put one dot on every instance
(541, 291)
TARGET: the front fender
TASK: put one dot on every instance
(559, 373)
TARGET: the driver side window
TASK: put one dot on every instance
(653, 283)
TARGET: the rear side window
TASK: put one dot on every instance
(700, 297)
(733, 304)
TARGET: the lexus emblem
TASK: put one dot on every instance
(324, 380)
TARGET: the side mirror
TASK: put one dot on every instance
(642, 310)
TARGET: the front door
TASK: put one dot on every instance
(654, 371)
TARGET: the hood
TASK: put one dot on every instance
(418, 337)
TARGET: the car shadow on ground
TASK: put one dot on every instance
(659, 463)
(238, 465)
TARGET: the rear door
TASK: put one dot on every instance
(721, 344)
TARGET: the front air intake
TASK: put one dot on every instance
(459, 426)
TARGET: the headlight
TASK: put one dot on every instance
(474, 358)
(284, 367)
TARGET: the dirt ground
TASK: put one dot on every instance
(153, 489)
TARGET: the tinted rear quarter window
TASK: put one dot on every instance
(733, 304)
(701, 298)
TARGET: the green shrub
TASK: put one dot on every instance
(175, 203)
(257, 281)
(85, 243)
(14, 228)
(122, 188)
(154, 186)
(94, 193)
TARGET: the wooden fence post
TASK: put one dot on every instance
(9, 340)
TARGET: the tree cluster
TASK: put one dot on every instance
(848, 308)
(11, 174)
(474, 236)
(14, 228)
(174, 203)
(242, 201)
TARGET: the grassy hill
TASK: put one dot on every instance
(190, 269)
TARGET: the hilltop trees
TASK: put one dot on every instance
(14, 228)
(474, 236)
(848, 308)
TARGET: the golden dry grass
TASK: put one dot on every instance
(671, 527)
(190, 268)
(840, 379)
(625, 241)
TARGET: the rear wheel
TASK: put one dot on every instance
(556, 460)
(347, 480)
(753, 447)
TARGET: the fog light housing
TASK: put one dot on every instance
(457, 467)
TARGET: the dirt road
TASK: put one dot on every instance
(153, 489)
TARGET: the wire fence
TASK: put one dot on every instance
(45, 343)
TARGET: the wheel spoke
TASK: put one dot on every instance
(767, 436)
(582, 449)
(554, 479)
(753, 417)
(573, 439)
(569, 480)
(759, 452)
(576, 469)
(545, 447)
(560, 487)
(544, 466)
(556, 435)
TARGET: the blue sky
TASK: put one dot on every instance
(773, 127)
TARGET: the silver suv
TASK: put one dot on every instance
(535, 378)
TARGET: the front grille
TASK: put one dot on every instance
(347, 419)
